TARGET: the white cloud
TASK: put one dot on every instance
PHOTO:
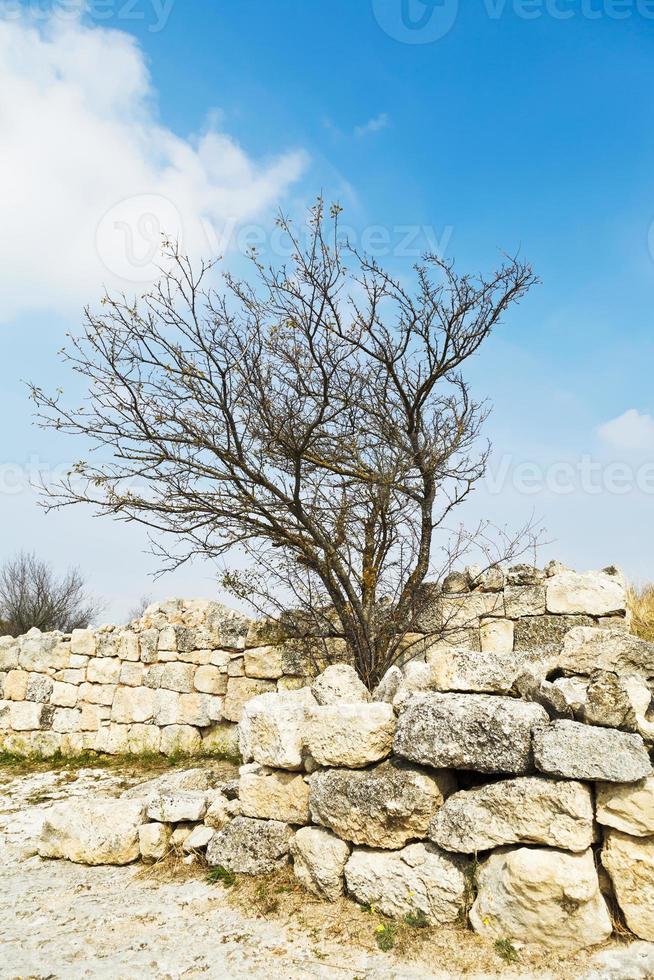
(90, 177)
(382, 121)
(630, 431)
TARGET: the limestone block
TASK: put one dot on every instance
(273, 795)
(486, 673)
(526, 810)
(586, 649)
(385, 806)
(97, 693)
(177, 806)
(496, 635)
(319, 860)
(592, 593)
(218, 812)
(419, 878)
(89, 718)
(209, 680)
(389, 685)
(236, 666)
(468, 731)
(199, 839)
(171, 677)
(8, 653)
(248, 846)
(272, 729)
(630, 864)
(198, 709)
(575, 751)
(220, 658)
(629, 808)
(132, 704)
(239, 691)
(524, 600)
(15, 686)
(131, 674)
(103, 670)
(93, 832)
(524, 575)
(546, 632)
(221, 739)
(83, 642)
(339, 682)
(143, 739)
(464, 611)
(166, 707)
(634, 961)
(112, 739)
(265, 662)
(176, 639)
(64, 695)
(74, 675)
(29, 716)
(43, 652)
(154, 841)
(542, 896)
(148, 642)
(352, 735)
(180, 739)
(128, 647)
(39, 688)
(66, 720)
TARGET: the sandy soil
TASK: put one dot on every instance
(63, 920)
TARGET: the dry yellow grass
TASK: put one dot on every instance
(641, 605)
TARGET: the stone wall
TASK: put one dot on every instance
(178, 679)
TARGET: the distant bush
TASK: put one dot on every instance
(641, 605)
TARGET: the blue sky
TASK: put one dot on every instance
(526, 126)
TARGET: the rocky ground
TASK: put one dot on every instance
(60, 920)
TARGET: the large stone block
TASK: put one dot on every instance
(592, 593)
(468, 731)
(352, 735)
(210, 680)
(66, 720)
(419, 878)
(64, 695)
(269, 794)
(177, 806)
(546, 633)
(630, 864)
(339, 682)
(15, 685)
(384, 807)
(171, 677)
(43, 652)
(575, 751)
(587, 649)
(29, 716)
(526, 810)
(485, 673)
(264, 662)
(39, 688)
(496, 635)
(82, 642)
(201, 710)
(543, 896)
(132, 704)
(459, 612)
(93, 832)
(8, 653)
(524, 600)
(627, 808)
(272, 728)
(240, 690)
(180, 739)
(154, 841)
(319, 860)
(254, 847)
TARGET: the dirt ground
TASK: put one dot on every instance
(60, 920)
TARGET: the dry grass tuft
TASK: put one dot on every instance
(641, 604)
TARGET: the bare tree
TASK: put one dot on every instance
(32, 595)
(315, 418)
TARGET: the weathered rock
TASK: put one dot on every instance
(385, 806)
(484, 673)
(29, 716)
(253, 847)
(210, 680)
(93, 832)
(575, 751)
(524, 575)
(533, 688)
(219, 812)
(389, 685)
(455, 583)
(459, 612)
(468, 731)
(543, 896)
(546, 633)
(133, 704)
(526, 810)
(630, 864)
(339, 682)
(586, 649)
(485, 579)
(185, 780)
(273, 795)
(593, 593)
(272, 729)
(627, 808)
(199, 839)
(319, 859)
(419, 878)
(574, 690)
(524, 600)
(352, 735)
(182, 739)
(264, 662)
(608, 702)
(39, 688)
(240, 690)
(496, 635)
(632, 962)
(154, 841)
(176, 807)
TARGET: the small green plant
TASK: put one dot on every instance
(417, 919)
(221, 875)
(506, 950)
(385, 937)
